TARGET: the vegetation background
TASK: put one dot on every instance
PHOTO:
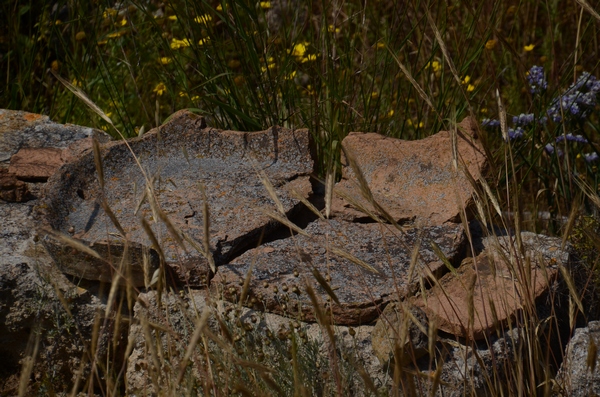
(402, 68)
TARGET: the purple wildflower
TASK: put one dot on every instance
(490, 123)
(578, 100)
(515, 133)
(523, 119)
(590, 157)
(571, 138)
(549, 148)
(537, 81)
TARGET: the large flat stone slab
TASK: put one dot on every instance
(411, 180)
(29, 130)
(282, 269)
(485, 293)
(179, 160)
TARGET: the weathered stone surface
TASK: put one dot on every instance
(400, 335)
(12, 189)
(36, 164)
(579, 374)
(411, 180)
(255, 336)
(496, 284)
(33, 296)
(28, 130)
(282, 269)
(179, 160)
(472, 370)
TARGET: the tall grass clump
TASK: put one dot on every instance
(527, 70)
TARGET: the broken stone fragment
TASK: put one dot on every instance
(20, 129)
(579, 374)
(485, 293)
(365, 265)
(411, 180)
(185, 165)
(12, 189)
(36, 164)
(400, 335)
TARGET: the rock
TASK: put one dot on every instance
(579, 374)
(411, 180)
(282, 269)
(28, 130)
(180, 159)
(38, 304)
(161, 335)
(474, 369)
(12, 189)
(485, 293)
(400, 332)
(37, 300)
(36, 164)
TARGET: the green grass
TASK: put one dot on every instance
(403, 69)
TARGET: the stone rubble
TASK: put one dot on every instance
(406, 294)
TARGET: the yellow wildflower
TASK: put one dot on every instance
(265, 5)
(291, 75)
(177, 44)
(108, 114)
(470, 88)
(409, 122)
(421, 125)
(483, 111)
(490, 44)
(183, 94)
(160, 89)
(333, 29)
(391, 113)
(123, 22)
(58, 22)
(165, 60)
(203, 41)
(80, 36)
(269, 66)
(205, 19)
(299, 49)
(466, 79)
(310, 57)
(116, 34)
(529, 47)
(76, 83)
(102, 42)
(374, 95)
(195, 98)
(172, 17)
(219, 7)
(435, 65)
(380, 45)
(109, 12)
(55, 65)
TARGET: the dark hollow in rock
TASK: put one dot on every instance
(282, 269)
(179, 160)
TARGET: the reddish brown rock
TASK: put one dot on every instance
(282, 269)
(486, 292)
(12, 189)
(180, 159)
(36, 164)
(411, 180)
